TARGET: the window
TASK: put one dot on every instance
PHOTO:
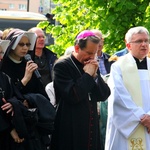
(22, 7)
(11, 6)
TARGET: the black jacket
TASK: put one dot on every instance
(77, 93)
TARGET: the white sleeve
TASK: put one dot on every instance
(50, 92)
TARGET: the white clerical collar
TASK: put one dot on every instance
(140, 60)
(15, 61)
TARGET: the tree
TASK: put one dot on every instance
(113, 18)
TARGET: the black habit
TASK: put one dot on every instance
(77, 94)
(33, 131)
(16, 71)
(8, 122)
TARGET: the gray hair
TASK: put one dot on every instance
(135, 30)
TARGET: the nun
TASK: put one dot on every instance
(22, 73)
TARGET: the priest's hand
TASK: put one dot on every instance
(145, 121)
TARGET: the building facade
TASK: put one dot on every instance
(37, 6)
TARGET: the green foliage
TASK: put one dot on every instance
(113, 18)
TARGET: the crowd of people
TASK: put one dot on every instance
(84, 100)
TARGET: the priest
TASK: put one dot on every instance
(128, 125)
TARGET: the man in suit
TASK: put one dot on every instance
(104, 64)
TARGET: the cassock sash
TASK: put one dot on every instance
(131, 80)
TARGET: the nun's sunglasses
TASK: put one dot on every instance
(23, 44)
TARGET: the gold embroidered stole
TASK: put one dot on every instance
(131, 80)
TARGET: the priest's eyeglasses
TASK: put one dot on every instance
(140, 41)
(23, 44)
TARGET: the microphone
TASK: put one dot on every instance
(36, 72)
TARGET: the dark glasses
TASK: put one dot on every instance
(23, 44)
